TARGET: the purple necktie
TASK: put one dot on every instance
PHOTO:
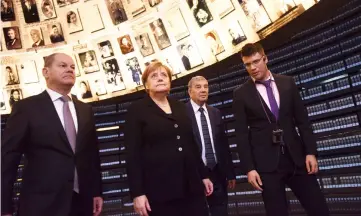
(70, 131)
(271, 98)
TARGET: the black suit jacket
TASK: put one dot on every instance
(256, 150)
(223, 154)
(186, 62)
(40, 44)
(34, 129)
(163, 160)
(31, 15)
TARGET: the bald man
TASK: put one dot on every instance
(36, 37)
(56, 133)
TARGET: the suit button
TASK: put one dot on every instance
(175, 125)
(180, 149)
(178, 137)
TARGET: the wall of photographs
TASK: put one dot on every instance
(112, 43)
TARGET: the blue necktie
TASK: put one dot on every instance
(271, 98)
(210, 158)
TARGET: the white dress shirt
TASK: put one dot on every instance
(58, 103)
(198, 118)
(263, 91)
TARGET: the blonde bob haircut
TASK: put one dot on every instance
(154, 66)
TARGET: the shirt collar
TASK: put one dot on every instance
(196, 107)
(270, 77)
(55, 95)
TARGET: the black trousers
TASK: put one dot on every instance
(218, 200)
(304, 186)
(188, 206)
(77, 206)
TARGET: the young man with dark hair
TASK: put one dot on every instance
(268, 108)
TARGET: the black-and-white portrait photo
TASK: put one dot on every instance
(160, 34)
(7, 10)
(11, 76)
(116, 11)
(36, 36)
(134, 69)
(12, 38)
(154, 3)
(92, 17)
(235, 32)
(89, 61)
(200, 11)
(2, 101)
(84, 90)
(62, 3)
(56, 33)
(48, 9)
(126, 45)
(74, 22)
(105, 49)
(113, 75)
(136, 7)
(99, 87)
(223, 7)
(189, 54)
(15, 95)
(177, 24)
(256, 14)
(28, 72)
(214, 42)
(30, 11)
(144, 44)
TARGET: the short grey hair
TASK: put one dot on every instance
(196, 78)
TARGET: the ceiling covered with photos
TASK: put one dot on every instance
(111, 41)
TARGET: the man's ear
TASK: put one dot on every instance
(265, 59)
(45, 72)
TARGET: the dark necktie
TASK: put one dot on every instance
(271, 98)
(210, 158)
(70, 131)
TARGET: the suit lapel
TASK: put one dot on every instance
(212, 120)
(81, 121)
(194, 124)
(54, 117)
(281, 90)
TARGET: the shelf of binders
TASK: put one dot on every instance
(114, 175)
(118, 189)
(112, 162)
(111, 148)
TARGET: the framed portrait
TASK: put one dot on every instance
(7, 10)
(171, 60)
(10, 75)
(256, 14)
(55, 33)
(48, 9)
(36, 37)
(94, 21)
(283, 6)
(30, 11)
(2, 101)
(135, 70)
(15, 95)
(200, 12)
(236, 33)
(113, 75)
(154, 3)
(126, 45)
(84, 91)
(28, 71)
(62, 3)
(88, 61)
(144, 44)
(77, 71)
(99, 87)
(136, 7)
(190, 55)
(12, 38)
(73, 21)
(160, 34)
(214, 42)
(223, 7)
(177, 24)
(116, 11)
(105, 49)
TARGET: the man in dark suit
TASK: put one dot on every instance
(185, 58)
(13, 41)
(209, 132)
(30, 11)
(267, 109)
(36, 37)
(56, 134)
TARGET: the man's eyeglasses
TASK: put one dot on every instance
(255, 62)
